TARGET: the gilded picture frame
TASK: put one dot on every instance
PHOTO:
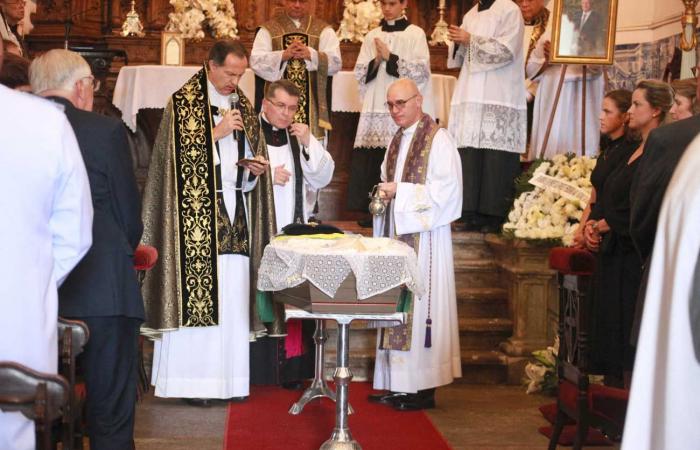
(583, 31)
(172, 49)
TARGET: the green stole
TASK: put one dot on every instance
(415, 170)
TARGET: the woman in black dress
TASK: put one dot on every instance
(618, 267)
(616, 144)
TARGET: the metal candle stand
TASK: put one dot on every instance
(341, 438)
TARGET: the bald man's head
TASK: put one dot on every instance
(404, 102)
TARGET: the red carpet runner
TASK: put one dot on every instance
(263, 423)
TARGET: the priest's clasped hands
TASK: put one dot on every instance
(382, 50)
(296, 50)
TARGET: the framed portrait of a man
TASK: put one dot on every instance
(583, 31)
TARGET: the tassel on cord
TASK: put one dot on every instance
(429, 321)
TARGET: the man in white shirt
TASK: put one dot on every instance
(301, 48)
(48, 229)
(300, 166)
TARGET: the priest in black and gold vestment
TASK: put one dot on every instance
(303, 49)
(209, 213)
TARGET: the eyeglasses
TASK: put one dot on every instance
(93, 82)
(399, 104)
(281, 107)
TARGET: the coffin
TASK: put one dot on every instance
(309, 298)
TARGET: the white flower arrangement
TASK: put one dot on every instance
(542, 374)
(359, 17)
(191, 16)
(552, 210)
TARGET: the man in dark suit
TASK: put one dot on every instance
(591, 27)
(102, 290)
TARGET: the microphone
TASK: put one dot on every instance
(234, 98)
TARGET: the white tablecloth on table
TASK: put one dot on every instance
(140, 87)
(346, 94)
(379, 264)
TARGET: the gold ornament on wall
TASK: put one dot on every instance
(132, 25)
(689, 18)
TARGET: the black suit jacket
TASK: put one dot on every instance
(664, 148)
(592, 35)
(104, 282)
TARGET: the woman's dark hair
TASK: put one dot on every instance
(622, 99)
(659, 95)
(15, 71)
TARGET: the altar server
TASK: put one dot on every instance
(488, 113)
(300, 166)
(422, 183)
(196, 214)
(47, 228)
(396, 49)
(663, 410)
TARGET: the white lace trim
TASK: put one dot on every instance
(494, 127)
(378, 264)
(375, 130)
(266, 65)
(361, 77)
(417, 71)
(488, 53)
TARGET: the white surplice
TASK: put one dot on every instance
(46, 229)
(268, 64)
(664, 406)
(213, 362)
(376, 127)
(317, 170)
(488, 107)
(427, 209)
(565, 136)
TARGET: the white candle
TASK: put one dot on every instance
(441, 4)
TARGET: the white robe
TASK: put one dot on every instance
(664, 405)
(565, 136)
(376, 127)
(427, 209)
(46, 229)
(213, 362)
(318, 172)
(268, 64)
(488, 107)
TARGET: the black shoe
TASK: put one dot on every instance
(199, 402)
(237, 399)
(415, 404)
(293, 385)
(387, 399)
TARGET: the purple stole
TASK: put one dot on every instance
(415, 170)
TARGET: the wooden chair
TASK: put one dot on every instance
(73, 335)
(145, 257)
(588, 404)
(40, 397)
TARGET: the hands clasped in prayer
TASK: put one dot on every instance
(296, 50)
(382, 50)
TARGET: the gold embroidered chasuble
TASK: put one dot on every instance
(415, 170)
(185, 221)
(313, 85)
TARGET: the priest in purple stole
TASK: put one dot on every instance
(422, 186)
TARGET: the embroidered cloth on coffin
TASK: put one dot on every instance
(379, 264)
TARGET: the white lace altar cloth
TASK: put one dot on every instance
(379, 264)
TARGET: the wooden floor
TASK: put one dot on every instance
(470, 417)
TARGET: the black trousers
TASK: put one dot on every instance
(488, 178)
(110, 364)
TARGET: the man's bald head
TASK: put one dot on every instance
(404, 102)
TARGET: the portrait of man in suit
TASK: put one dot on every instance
(587, 26)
